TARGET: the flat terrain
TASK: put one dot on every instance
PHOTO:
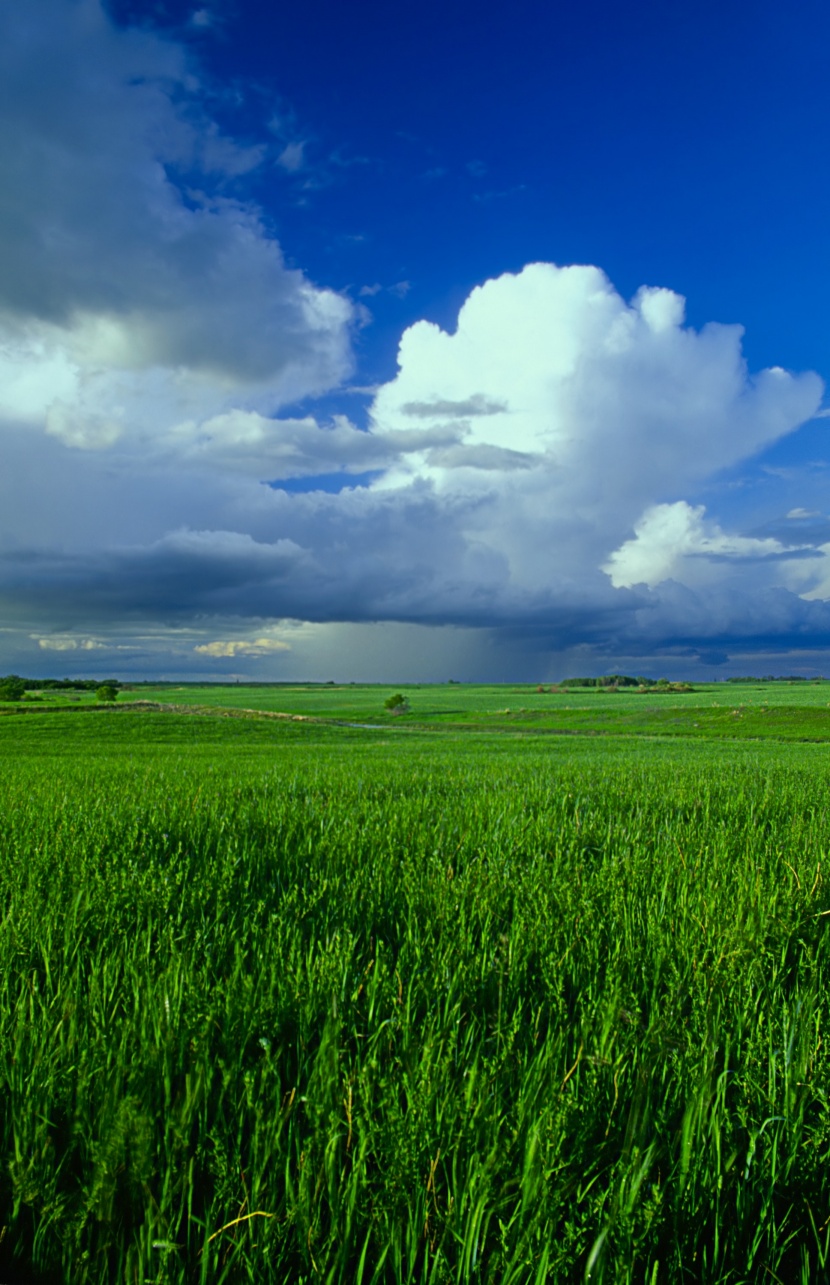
(516, 987)
(776, 711)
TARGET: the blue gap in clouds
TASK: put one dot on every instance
(331, 483)
(754, 495)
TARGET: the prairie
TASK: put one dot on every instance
(464, 995)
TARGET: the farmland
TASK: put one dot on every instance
(518, 987)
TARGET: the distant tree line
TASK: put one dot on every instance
(14, 688)
(782, 678)
(625, 680)
(612, 680)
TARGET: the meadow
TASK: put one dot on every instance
(516, 988)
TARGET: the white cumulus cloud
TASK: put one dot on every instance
(675, 541)
(576, 414)
(592, 385)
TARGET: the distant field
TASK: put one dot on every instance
(460, 996)
(777, 711)
(468, 700)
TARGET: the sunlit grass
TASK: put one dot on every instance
(291, 1002)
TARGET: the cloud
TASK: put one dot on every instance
(271, 448)
(64, 643)
(668, 535)
(398, 291)
(610, 408)
(256, 647)
(134, 284)
(292, 157)
(478, 404)
(534, 471)
(618, 397)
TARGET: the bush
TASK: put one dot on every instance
(397, 704)
(12, 688)
(107, 693)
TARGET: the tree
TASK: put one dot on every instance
(107, 693)
(397, 704)
(12, 688)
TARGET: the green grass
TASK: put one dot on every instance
(777, 711)
(467, 702)
(454, 1000)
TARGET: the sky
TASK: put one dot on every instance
(414, 343)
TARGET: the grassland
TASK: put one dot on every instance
(776, 711)
(464, 995)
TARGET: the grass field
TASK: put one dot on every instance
(779, 711)
(463, 995)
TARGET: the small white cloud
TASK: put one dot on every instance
(253, 648)
(292, 157)
(400, 289)
(795, 514)
(368, 292)
(64, 642)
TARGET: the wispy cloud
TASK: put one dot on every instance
(292, 157)
(399, 290)
(499, 194)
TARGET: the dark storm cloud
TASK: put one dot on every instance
(118, 220)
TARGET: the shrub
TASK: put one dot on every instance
(12, 688)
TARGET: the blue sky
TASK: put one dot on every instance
(413, 342)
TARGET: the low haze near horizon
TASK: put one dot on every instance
(412, 345)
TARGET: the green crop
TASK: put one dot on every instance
(291, 1002)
